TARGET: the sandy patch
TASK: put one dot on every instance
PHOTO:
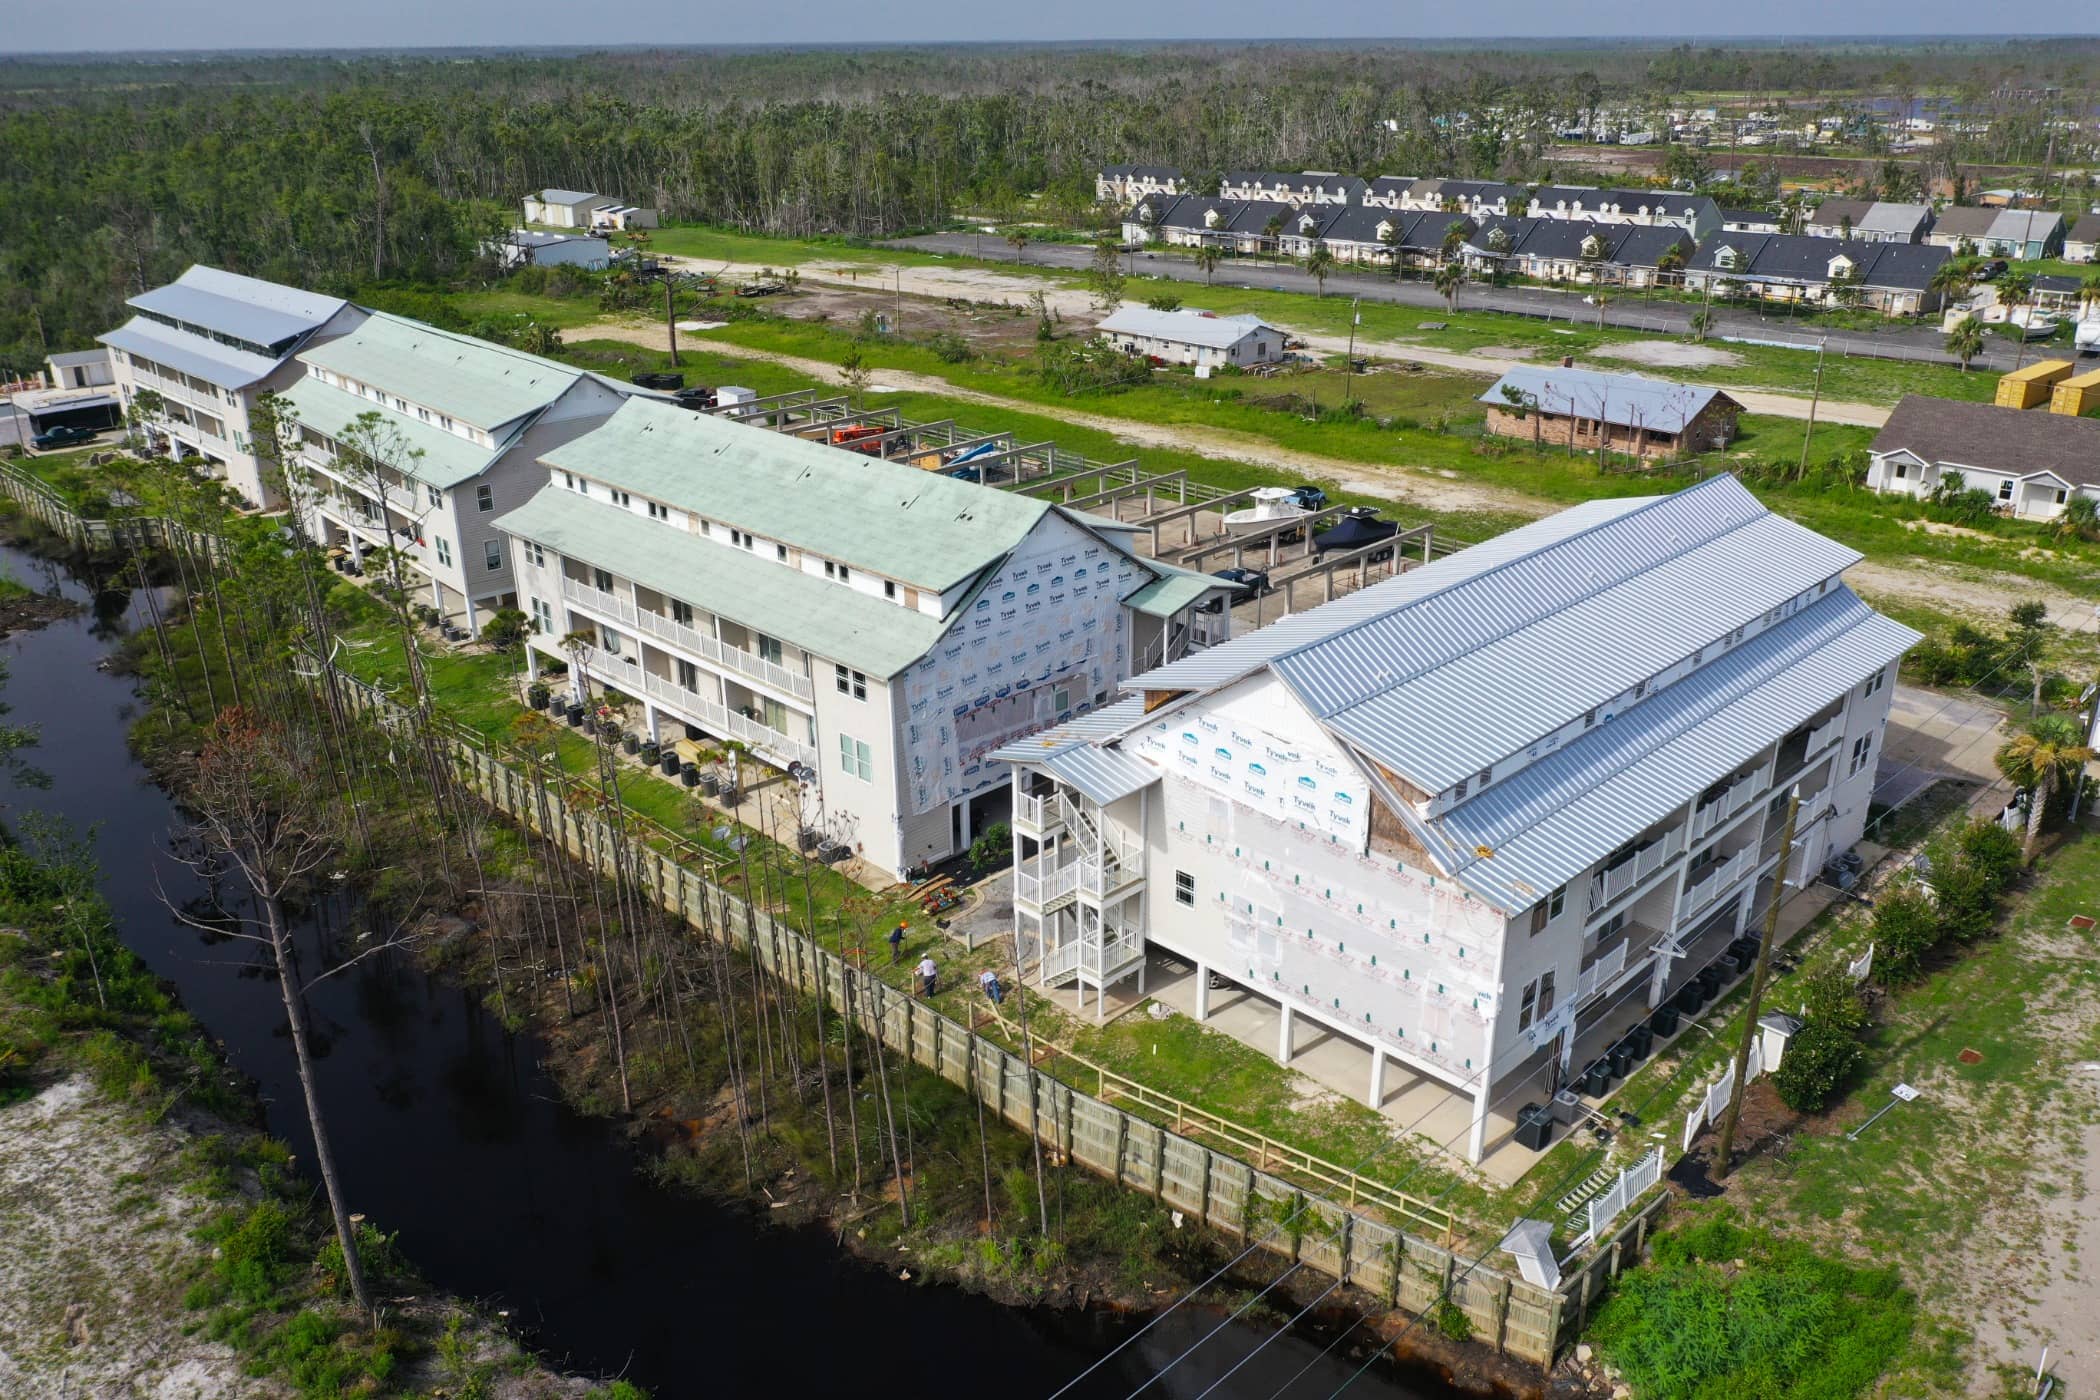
(1669, 354)
(95, 1242)
(1940, 527)
(1500, 352)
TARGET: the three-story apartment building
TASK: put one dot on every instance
(1478, 816)
(209, 345)
(874, 628)
(417, 439)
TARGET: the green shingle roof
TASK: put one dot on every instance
(1174, 590)
(447, 459)
(918, 527)
(472, 380)
(867, 633)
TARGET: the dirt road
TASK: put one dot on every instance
(979, 284)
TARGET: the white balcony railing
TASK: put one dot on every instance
(708, 714)
(1038, 815)
(690, 641)
(1608, 885)
(1713, 880)
(1592, 979)
(1039, 884)
(1731, 802)
(1060, 963)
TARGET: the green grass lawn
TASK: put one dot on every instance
(66, 472)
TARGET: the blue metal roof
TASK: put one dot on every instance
(196, 355)
(1558, 817)
(1623, 400)
(245, 308)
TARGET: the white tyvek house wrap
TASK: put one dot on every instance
(1051, 619)
(1291, 899)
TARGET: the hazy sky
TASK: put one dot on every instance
(47, 25)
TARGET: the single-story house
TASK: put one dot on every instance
(1192, 221)
(1869, 221)
(2032, 463)
(1892, 278)
(1253, 226)
(81, 369)
(1371, 235)
(1562, 250)
(1695, 214)
(1189, 337)
(1480, 198)
(2082, 243)
(524, 247)
(1750, 221)
(583, 209)
(2000, 233)
(1127, 184)
(1581, 409)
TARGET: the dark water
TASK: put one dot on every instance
(449, 1133)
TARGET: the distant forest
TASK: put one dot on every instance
(338, 172)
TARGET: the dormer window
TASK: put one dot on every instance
(1385, 230)
(1840, 267)
(1593, 247)
(1726, 257)
(1210, 218)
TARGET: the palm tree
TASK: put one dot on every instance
(1454, 234)
(1207, 258)
(1965, 341)
(1450, 277)
(1601, 299)
(2014, 289)
(1950, 281)
(2080, 518)
(1702, 322)
(2089, 291)
(1320, 263)
(2049, 752)
(1017, 238)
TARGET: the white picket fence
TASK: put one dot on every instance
(1715, 1100)
(1631, 1185)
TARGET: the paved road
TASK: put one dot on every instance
(1898, 342)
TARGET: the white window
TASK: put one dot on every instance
(1874, 683)
(681, 613)
(536, 554)
(837, 571)
(437, 497)
(601, 580)
(484, 498)
(2005, 489)
(851, 683)
(1902, 470)
(856, 759)
(1537, 1003)
(621, 498)
(1548, 909)
(1184, 888)
(1862, 752)
(889, 585)
(740, 539)
(780, 552)
(688, 675)
(542, 617)
(659, 512)
(609, 639)
(768, 648)
(492, 554)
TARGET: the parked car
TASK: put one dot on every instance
(1992, 269)
(1255, 581)
(62, 436)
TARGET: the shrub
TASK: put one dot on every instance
(1832, 997)
(949, 348)
(1992, 850)
(1451, 1320)
(993, 848)
(1968, 897)
(1818, 1062)
(1906, 928)
(1163, 301)
(507, 630)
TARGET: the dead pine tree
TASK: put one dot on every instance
(258, 816)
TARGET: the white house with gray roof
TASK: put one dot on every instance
(1478, 819)
(209, 345)
(878, 628)
(452, 431)
(1193, 337)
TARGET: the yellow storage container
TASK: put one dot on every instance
(2030, 385)
(2076, 396)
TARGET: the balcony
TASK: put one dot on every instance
(1037, 816)
(769, 743)
(1709, 884)
(1797, 749)
(1044, 887)
(1628, 947)
(1732, 800)
(1608, 885)
(1094, 961)
(747, 666)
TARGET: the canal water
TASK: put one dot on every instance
(450, 1134)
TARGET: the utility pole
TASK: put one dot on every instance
(898, 327)
(1815, 399)
(1726, 1146)
(670, 320)
(1349, 368)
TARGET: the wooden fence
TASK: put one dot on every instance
(1238, 1198)
(40, 503)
